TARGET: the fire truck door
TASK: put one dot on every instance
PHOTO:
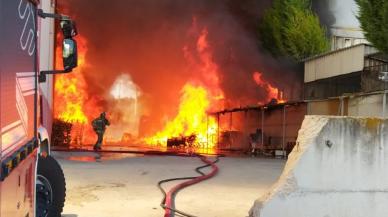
(17, 107)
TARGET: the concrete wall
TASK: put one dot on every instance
(367, 106)
(370, 105)
(338, 169)
(324, 107)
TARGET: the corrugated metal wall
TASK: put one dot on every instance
(337, 63)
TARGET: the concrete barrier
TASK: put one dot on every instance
(339, 168)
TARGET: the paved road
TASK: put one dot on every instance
(125, 185)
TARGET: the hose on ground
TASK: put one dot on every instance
(167, 200)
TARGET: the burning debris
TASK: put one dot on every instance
(182, 141)
(61, 133)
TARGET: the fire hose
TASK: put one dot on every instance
(168, 198)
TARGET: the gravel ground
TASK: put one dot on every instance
(118, 185)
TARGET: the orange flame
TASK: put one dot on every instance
(70, 91)
(196, 98)
(201, 62)
(192, 119)
(71, 99)
(272, 92)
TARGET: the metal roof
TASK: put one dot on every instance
(335, 51)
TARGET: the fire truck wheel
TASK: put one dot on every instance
(50, 188)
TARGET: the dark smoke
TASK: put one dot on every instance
(145, 38)
(324, 12)
(339, 14)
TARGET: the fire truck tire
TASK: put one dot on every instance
(50, 188)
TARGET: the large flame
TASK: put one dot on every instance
(70, 93)
(71, 99)
(200, 59)
(192, 119)
(196, 97)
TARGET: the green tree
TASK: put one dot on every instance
(290, 28)
(374, 21)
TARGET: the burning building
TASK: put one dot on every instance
(159, 68)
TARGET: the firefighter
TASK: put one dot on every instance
(99, 125)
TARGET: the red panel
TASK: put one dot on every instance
(17, 190)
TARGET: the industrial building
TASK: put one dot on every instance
(346, 82)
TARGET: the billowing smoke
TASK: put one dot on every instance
(338, 14)
(324, 11)
(147, 39)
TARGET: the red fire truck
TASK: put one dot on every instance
(32, 183)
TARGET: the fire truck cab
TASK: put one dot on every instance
(32, 183)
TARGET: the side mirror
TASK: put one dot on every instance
(69, 54)
(69, 45)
